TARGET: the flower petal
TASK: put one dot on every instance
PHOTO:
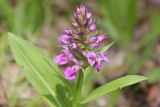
(64, 39)
(61, 59)
(92, 27)
(69, 73)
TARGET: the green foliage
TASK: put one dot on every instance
(153, 34)
(147, 45)
(7, 11)
(119, 19)
(36, 102)
(113, 98)
(113, 85)
(42, 72)
(105, 48)
(27, 17)
(154, 75)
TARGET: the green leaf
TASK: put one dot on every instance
(113, 85)
(153, 34)
(29, 19)
(42, 72)
(7, 11)
(119, 15)
(105, 48)
(113, 98)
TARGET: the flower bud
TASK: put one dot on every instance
(82, 9)
(75, 24)
(92, 27)
(89, 15)
(89, 22)
(74, 46)
(64, 39)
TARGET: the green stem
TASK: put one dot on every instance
(79, 88)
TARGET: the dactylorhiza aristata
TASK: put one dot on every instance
(80, 45)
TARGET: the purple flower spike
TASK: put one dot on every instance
(64, 39)
(81, 44)
(92, 27)
(69, 73)
(61, 59)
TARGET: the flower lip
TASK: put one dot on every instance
(61, 59)
(91, 56)
(69, 73)
(101, 58)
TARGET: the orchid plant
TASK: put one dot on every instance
(82, 47)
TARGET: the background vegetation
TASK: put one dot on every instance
(134, 25)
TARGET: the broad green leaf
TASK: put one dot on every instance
(113, 98)
(42, 72)
(113, 85)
